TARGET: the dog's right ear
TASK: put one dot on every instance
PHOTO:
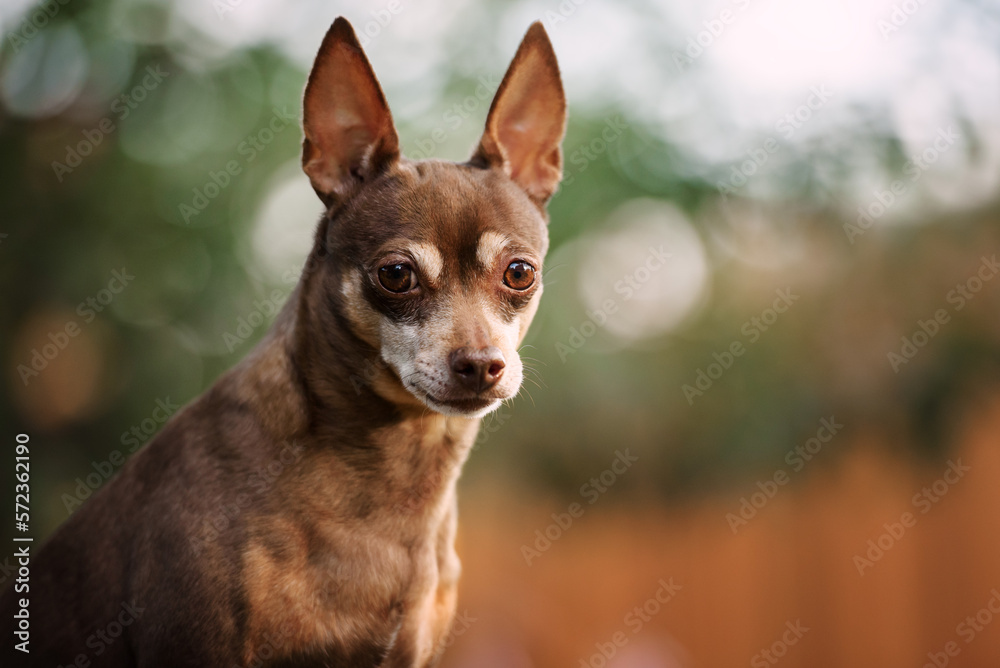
(527, 120)
(349, 134)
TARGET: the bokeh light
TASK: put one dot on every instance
(823, 178)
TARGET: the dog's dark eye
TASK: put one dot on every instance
(397, 277)
(519, 275)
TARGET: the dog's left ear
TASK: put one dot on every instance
(349, 134)
(527, 119)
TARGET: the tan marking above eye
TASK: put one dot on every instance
(428, 258)
(491, 245)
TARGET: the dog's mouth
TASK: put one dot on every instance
(467, 407)
(475, 406)
(452, 398)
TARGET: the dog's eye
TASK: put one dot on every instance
(519, 275)
(397, 277)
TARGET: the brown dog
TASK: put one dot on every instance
(291, 515)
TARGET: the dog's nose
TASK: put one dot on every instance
(478, 369)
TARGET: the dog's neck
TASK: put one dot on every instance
(310, 381)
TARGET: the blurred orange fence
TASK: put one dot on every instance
(799, 585)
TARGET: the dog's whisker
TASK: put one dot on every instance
(530, 398)
(534, 382)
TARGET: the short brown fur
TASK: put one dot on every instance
(302, 512)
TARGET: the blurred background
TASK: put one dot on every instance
(763, 417)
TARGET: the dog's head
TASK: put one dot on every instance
(435, 266)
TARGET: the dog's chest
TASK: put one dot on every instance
(350, 601)
(357, 577)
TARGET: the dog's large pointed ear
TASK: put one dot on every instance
(349, 134)
(527, 119)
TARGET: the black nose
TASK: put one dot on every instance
(477, 369)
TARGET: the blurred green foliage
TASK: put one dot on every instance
(198, 138)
